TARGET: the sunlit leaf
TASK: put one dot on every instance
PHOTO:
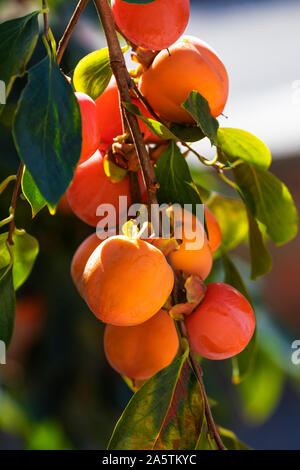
(238, 144)
(25, 250)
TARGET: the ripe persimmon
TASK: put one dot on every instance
(190, 64)
(80, 258)
(91, 187)
(222, 325)
(89, 124)
(194, 254)
(126, 281)
(213, 229)
(140, 351)
(109, 115)
(153, 26)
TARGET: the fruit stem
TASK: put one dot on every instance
(14, 203)
(69, 29)
(123, 79)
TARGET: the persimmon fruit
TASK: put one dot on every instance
(109, 115)
(153, 26)
(194, 254)
(222, 325)
(126, 281)
(89, 124)
(190, 64)
(213, 229)
(91, 187)
(140, 351)
(80, 258)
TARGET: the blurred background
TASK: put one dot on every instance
(57, 390)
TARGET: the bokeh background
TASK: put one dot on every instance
(57, 390)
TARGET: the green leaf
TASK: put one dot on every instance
(233, 277)
(7, 307)
(205, 442)
(18, 38)
(155, 127)
(243, 362)
(187, 133)
(232, 217)
(32, 193)
(47, 130)
(261, 259)
(269, 201)
(166, 413)
(173, 174)
(230, 440)
(93, 73)
(198, 108)
(25, 250)
(261, 391)
(237, 144)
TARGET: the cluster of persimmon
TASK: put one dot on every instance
(126, 282)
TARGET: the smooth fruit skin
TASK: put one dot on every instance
(126, 281)
(90, 126)
(91, 187)
(197, 260)
(190, 64)
(109, 115)
(80, 258)
(222, 325)
(138, 352)
(214, 230)
(153, 26)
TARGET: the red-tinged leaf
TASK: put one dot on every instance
(166, 413)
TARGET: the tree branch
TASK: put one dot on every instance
(14, 202)
(123, 79)
(69, 29)
(46, 23)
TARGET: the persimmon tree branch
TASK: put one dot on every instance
(46, 22)
(69, 29)
(123, 80)
(14, 203)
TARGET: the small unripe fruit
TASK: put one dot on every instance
(90, 126)
(153, 26)
(138, 352)
(126, 281)
(222, 325)
(189, 65)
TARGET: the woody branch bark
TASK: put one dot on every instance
(123, 79)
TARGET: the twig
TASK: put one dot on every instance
(123, 79)
(135, 190)
(69, 29)
(179, 296)
(14, 203)
(46, 22)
